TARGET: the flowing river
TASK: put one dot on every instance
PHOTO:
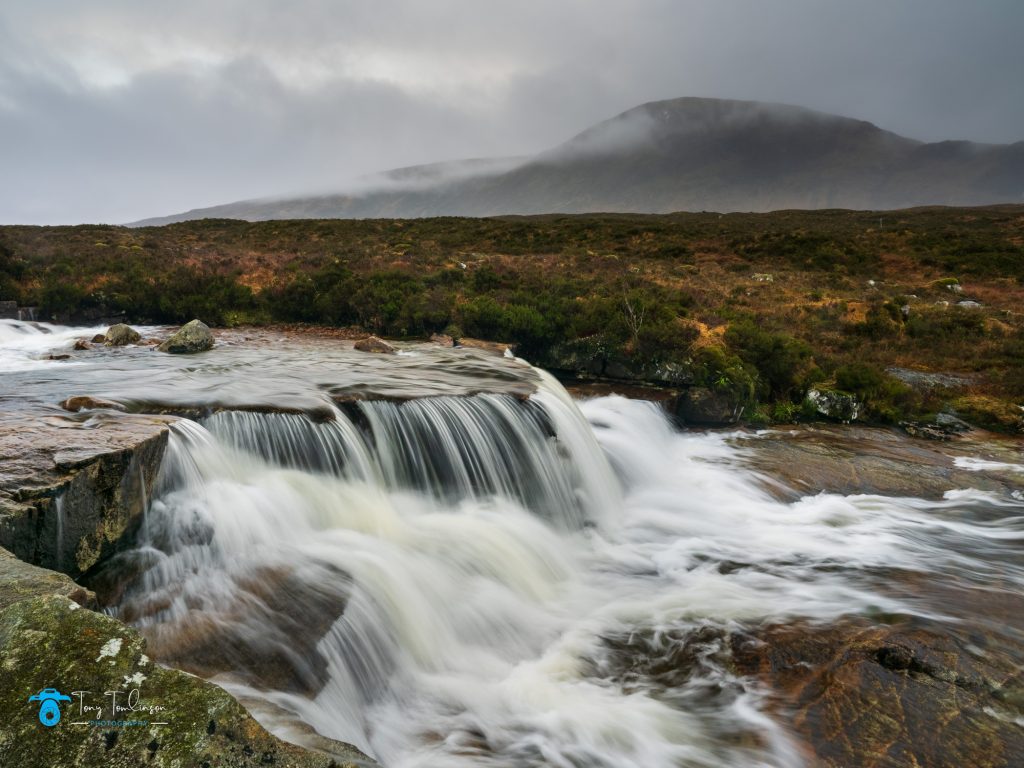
(444, 559)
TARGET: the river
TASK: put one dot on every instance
(445, 559)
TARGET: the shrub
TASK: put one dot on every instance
(782, 362)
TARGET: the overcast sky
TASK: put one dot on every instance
(117, 110)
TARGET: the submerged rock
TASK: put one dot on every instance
(82, 345)
(834, 404)
(375, 344)
(121, 335)
(193, 336)
(87, 402)
(51, 642)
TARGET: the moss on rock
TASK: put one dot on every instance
(51, 642)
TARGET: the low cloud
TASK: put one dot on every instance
(113, 111)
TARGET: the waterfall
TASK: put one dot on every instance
(461, 581)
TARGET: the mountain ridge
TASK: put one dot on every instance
(685, 154)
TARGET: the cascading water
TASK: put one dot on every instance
(503, 579)
(460, 581)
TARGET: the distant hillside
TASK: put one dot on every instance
(683, 155)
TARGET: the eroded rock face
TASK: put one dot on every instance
(121, 335)
(70, 493)
(51, 642)
(194, 336)
(873, 697)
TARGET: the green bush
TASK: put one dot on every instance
(783, 363)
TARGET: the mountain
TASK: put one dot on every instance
(683, 155)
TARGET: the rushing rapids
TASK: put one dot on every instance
(496, 580)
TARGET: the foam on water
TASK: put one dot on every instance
(492, 559)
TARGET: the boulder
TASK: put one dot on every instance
(121, 335)
(81, 345)
(700, 405)
(834, 404)
(375, 344)
(193, 336)
(99, 338)
(167, 717)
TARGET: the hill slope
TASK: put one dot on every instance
(687, 154)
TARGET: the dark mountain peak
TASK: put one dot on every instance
(675, 123)
(687, 154)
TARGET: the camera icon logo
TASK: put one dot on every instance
(49, 705)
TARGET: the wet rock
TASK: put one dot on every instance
(864, 697)
(442, 339)
(194, 336)
(87, 402)
(700, 405)
(99, 338)
(71, 494)
(807, 460)
(376, 345)
(58, 357)
(494, 347)
(834, 404)
(121, 335)
(945, 427)
(81, 345)
(50, 642)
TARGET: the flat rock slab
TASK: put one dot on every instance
(851, 460)
(880, 696)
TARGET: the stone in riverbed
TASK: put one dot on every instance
(99, 338)
(121, 335)
(193, 336)
(81, 345)
(375, 344)
(700, 405)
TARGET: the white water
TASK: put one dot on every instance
(497, 560)
(26, 346)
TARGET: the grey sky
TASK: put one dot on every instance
(113, 110)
